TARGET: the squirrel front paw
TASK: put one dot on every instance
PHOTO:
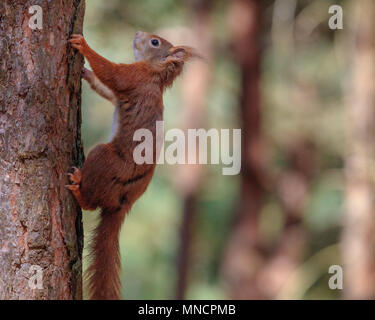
(87, 74)
(78, 42)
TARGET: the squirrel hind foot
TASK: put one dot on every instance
(75, 188)
(76, 176)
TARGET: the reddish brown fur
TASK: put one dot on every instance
(110, 179)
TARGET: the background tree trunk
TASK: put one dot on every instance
(244, 256)
(293, 186)
(40, 222)
(359, 228)
(195, 87)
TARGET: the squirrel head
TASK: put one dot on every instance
(155, 49)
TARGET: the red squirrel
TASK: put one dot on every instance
(110, 178)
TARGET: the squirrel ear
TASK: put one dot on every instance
(179, 53)
(183, 53)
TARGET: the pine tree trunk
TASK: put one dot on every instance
(41, 235)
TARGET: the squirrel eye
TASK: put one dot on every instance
(155, 42)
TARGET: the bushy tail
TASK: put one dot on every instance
(103, 274)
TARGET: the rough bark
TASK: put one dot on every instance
(358, 246)
(40, 89)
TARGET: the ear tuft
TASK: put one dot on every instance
(183, 53)
(178, 53)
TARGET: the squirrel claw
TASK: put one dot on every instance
(75, 38)
(72, 187)
(76, 176)
(78, 41)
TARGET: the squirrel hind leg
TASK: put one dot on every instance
(75, 188)
(76, 176)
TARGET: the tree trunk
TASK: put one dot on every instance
(40, 223)
(244, 256)
(292, 186)
(358, 246)
(195, 85)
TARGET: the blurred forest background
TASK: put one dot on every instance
(303, 95)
